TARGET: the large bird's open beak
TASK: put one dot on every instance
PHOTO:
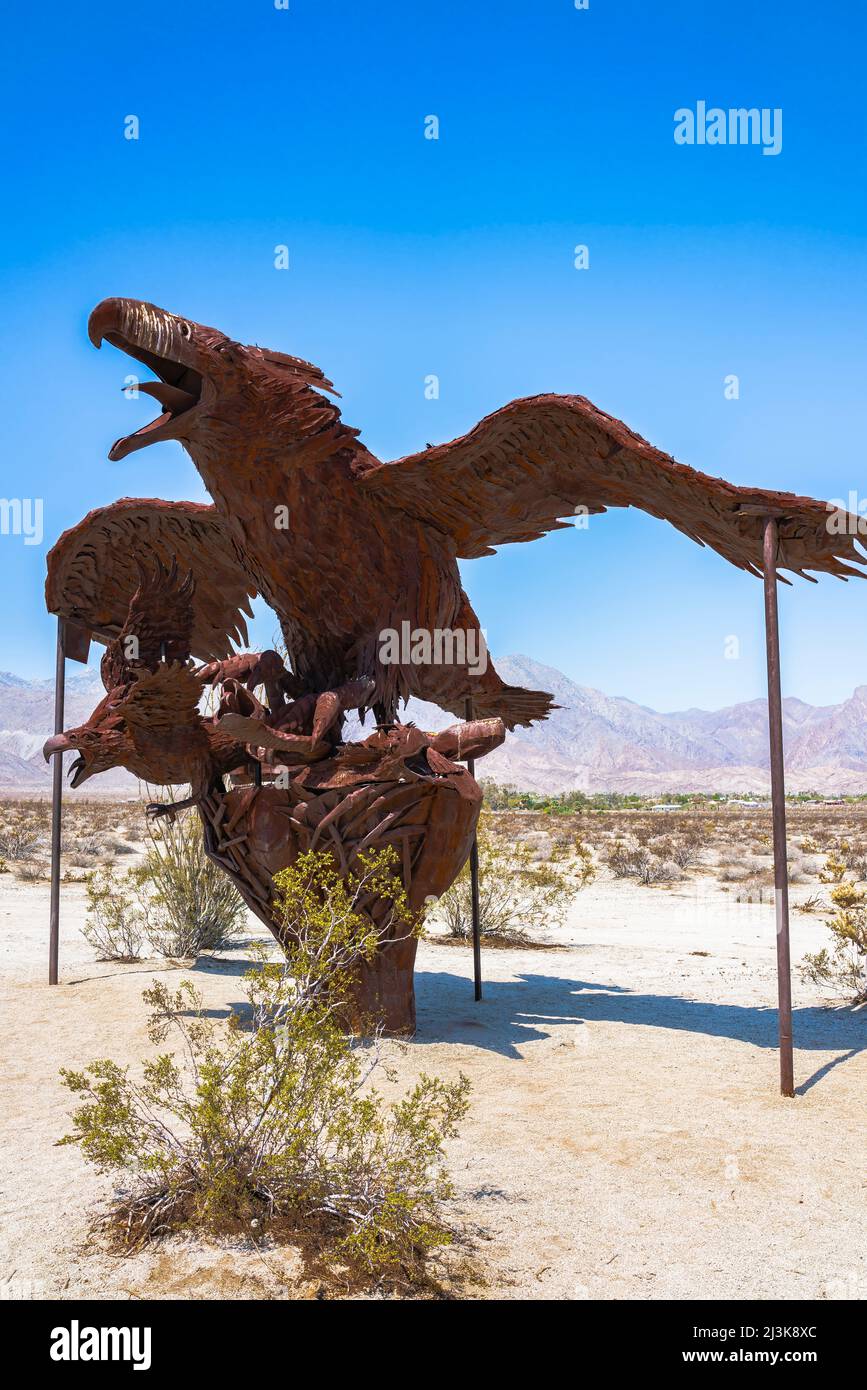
(162, 342)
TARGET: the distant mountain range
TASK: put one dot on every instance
(27, 719)
(594, 742)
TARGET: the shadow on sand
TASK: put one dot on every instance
(532, 1007)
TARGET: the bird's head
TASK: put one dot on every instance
(150, 725)
(210, 388)
(102, 743)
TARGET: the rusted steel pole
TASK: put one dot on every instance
(474, 885)
(778, 805)
(56, 810)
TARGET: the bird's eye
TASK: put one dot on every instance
(185, 330)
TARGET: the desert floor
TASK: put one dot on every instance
(625, 1138)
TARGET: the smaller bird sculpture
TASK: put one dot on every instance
(150, 721)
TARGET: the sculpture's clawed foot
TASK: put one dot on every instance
(331, 705)
(156, 810)
(254, 669)
(257, 735)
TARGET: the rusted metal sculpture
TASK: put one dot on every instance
(344, 549)
(295, 785)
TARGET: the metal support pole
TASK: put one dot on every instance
(474, 885)
(56, 810)
(778, 805)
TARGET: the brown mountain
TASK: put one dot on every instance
(598, 742)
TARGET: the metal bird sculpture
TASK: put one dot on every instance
(346, 550)
(344, 547)
(149, 721)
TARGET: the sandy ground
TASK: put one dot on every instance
(625, 1139)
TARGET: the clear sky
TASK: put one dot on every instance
(455, 257)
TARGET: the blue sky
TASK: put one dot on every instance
(454, 257)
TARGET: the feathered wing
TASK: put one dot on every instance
(538, 460)
(158, 628)
(164, 699)
(97, 567)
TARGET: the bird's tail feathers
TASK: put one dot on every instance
(513, 704)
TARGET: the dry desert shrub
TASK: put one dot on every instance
(517, 896)
(269, 1121)
(814, 903)
(197, 907)
(642, 863)
(654, 869)
(623, 860)
(19, 839)
(733, 873)
(843, 968)
(31, 870)
(177, 901)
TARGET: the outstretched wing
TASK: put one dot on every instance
(158, 627)
(166, 698)
(543, 458)
(95, 569)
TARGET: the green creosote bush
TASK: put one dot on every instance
(843, 968)
(177, 900)
(198, 908)
(517, 895)
(268, 1122)
(119, 915)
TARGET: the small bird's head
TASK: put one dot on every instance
(151, 726)
(211, 389)
(102, 743)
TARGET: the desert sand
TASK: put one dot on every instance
(625, 1139)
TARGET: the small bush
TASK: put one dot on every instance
(198, 907)
(270, 1121)
(31, 871)
(856, 861)
(18, 841)
(516, 895)
(843, 968)
(686, 847)
(734, 873)
(82, 861)
(655, 870)
(118, 915)
(625, 861)
(834, 870)
(813, 903)
(646, 865)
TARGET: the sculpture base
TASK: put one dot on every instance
(429, 817)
